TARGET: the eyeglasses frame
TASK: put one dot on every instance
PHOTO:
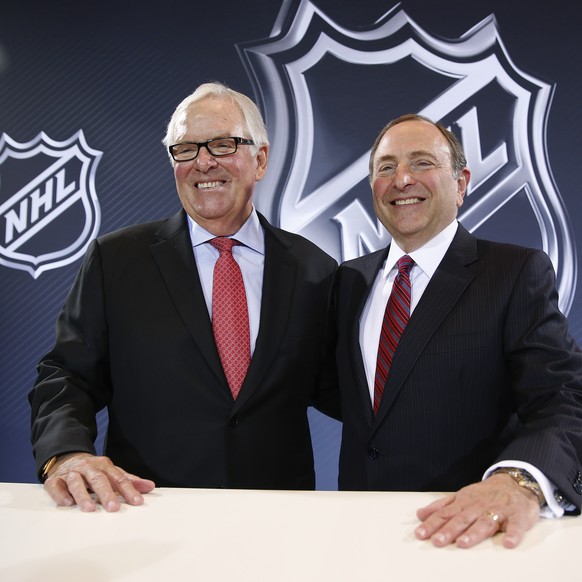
(204, 144)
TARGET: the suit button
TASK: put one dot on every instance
(373, 453)
(578, 483)
(233, 421)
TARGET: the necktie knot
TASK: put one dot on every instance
(224, 244)
(405, 263)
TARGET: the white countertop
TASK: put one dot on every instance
(270, 536)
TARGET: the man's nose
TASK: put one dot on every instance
(205, 159)
(403, 176)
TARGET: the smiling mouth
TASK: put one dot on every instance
(207, 185)
(407, 201)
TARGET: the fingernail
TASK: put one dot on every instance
(421, 532)
(439, 538)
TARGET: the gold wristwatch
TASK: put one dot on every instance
(47, 467)
(525, 480)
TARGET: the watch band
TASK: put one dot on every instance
(525, 480)
(47, 467)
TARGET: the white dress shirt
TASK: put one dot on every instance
(427, 259)
(250, 256)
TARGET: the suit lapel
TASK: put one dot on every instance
(175, 260)
(443, 292)
(369, 266)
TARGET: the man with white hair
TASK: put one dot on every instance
(146, 333)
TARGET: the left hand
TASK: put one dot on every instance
(479, 511)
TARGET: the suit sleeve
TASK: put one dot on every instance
(544, 367)
(327, 397)
(73, 381)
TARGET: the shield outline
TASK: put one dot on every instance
(75, 146)
(284, 98)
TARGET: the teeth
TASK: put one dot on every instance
(204, 185)
(407, 201)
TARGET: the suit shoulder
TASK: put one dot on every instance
(509, 251)
(364, 262)
(508, 261)
(146, 229)
(143, 233)
(300, 246)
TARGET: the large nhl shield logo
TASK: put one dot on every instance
(49, 210)
(326, 91)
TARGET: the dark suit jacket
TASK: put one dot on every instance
(484, 371)
(135, 336)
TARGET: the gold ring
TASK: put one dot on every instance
(494, 516)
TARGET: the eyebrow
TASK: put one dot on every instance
(421, 153)
(412, 155)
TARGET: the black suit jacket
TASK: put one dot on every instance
(135, 336)
(485, 370)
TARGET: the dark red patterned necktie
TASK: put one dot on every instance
(395, 319)
(230, 315)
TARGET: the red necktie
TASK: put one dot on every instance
(395, 319)
(230, 315)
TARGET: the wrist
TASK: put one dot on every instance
(523, 479)
(47, 467)
(57, 461)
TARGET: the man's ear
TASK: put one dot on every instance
(462, 185)
(262, 158)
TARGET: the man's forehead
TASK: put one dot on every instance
(220, 108)
(219, 117)
(413, 139)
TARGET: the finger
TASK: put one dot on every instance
(129, 486)
(142, 485)
(425, 512)
(58, 491)
(435, 517)
(512, 539)
(120, 484)
(444, 530)
(485, 526)
(100, 483)
(516, 526)
(77, 487)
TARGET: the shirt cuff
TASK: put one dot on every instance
(552, 508)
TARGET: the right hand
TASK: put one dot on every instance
(75, 476)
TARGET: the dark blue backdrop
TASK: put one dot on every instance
(327, 74)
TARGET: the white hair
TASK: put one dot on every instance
(252, 117)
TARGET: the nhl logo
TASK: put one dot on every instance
(49, 210)
(326, 91)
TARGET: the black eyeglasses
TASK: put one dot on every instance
(219, 146)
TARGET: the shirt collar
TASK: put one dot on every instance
(428, 256)
(250, 234)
